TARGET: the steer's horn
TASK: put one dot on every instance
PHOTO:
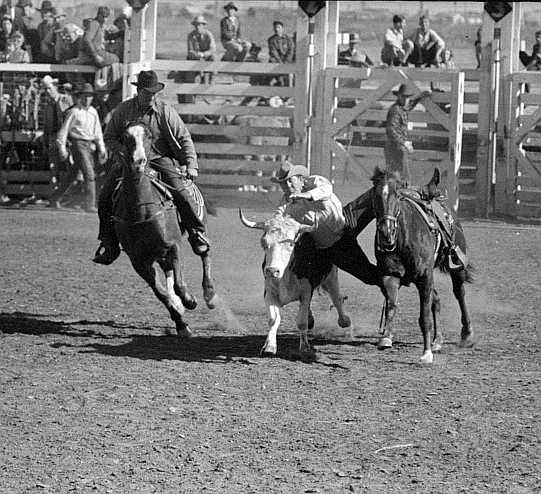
(250, 224)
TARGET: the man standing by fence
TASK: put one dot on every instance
(83, 129)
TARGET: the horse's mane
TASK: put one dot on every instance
(381, 175)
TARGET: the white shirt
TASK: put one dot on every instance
(81, 123)
(394, 37)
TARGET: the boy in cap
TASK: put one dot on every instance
(201, 44)
(236, 48)
(398, 147)
(172, 154)
(83, 129)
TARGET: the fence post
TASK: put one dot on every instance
(301, 89)
(455, 139)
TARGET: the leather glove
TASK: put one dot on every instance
(192, 173)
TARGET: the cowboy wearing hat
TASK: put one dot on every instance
(310, 199)
(398, 146)
(281, 50)
(353, 55)
(201, 44)
(172, 154)
(83, 129)
(46, 32)
(236, 48)
(93, 48)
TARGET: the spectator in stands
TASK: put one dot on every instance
(115, 36)
(235, 47)
(353, 55)
(15, 53)
(281, 50)
(396, 49)
(27, 23)
(201, 44)
(427, 45)
(533, 61)
(397, 146)
(83, 129)
(69, 41)
(5, 32)
(46, 33)
(93, 51)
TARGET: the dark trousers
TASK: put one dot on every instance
(420, 56)
(397, 159)
(186, 196)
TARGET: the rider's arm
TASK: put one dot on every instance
(318, 188)
(113, 132)
(179, 139)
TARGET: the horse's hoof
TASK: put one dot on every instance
(427, 358)
(344, 322)
(436, 347)
(190, 303)
(184, 333)
(212, 301)
(385, 343)
(265, 352)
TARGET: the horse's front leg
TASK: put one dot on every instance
(209, 294)
(331, 286)
(166, 295)
(188, 300)
(437, 342)
(425, 289)
(391, 285)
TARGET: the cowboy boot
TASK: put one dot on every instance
(108, 250)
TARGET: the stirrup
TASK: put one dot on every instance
(106, 254)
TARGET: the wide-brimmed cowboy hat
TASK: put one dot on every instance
(85, 88)
(46, 5)
(148, 80)
(230, 5)
(199, 19)
(47, 80)
(354, 38)
(404, 90)
(288, 170)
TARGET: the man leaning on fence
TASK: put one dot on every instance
(172, 154)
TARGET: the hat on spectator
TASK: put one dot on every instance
(46, 5)
(104, 11)
(148, 80)
(354, 38)
(67, 86)
(6, 17)
(85, 88)
(404, 90)
(199, 19)
(24, 3)
(230, 5)
(47, 80)
(288, 170)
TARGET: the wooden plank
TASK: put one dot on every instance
(238, 130)
(419, 132)
(247, 167)
(381, 115)
(231, 180)
(204, 109)
(528, 181)
(301, 89)
(418, 154)
(530, 99)
(226, 67)
(233, 90)
(25, 176)
(48, 68)
(396, 74)
(528, 210)
(455, 140)
(473, 74)
(240, 149)
(332, 36)
(530, 195)
(524, 76)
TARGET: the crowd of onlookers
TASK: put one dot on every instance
(43, 35)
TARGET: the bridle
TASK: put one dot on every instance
(391, 222)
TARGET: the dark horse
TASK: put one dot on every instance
(147, 225)
(407, 251)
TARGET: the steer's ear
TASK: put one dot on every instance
(251, 224)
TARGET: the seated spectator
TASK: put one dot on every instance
(69, 43)
(6, 30)
(236, 48)
(427, 45)
(93, 49)
(15, 53)
(533, 61)
(396, 49)
(26, 21)
(447, 63)
(281, 50)
(115, 36)
(46, 33)
(201, 44)
(353, 55)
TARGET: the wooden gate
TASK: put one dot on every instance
(520, 173)
(349, 125)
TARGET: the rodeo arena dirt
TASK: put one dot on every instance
(207, 211)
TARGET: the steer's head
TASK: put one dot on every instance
(279, 236)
